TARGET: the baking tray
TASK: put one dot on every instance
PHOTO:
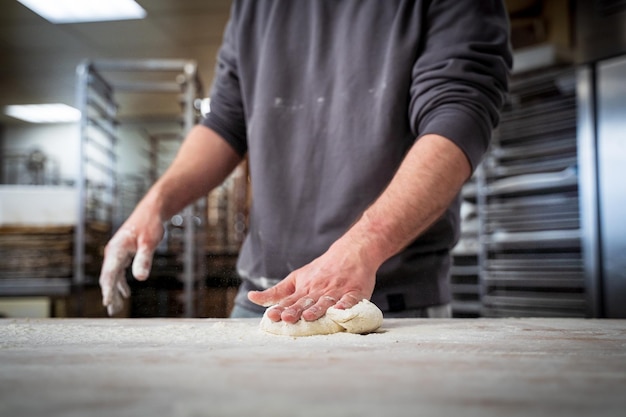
(541, 239)
(561, 181)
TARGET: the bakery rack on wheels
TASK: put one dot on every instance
(99, 85)
(531, 254)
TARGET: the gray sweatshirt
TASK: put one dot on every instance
(327, 96)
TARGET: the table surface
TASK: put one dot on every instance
(228, 367)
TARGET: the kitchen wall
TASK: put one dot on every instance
(60, 144)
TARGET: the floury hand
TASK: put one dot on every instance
(127, 245)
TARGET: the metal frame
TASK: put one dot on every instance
(95, 99)
(588, 187)
(601, 139)
(95, 102)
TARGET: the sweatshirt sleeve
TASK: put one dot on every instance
(227, 115)
(460, 78)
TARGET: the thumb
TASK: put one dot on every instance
(142, 262)
(272, 295)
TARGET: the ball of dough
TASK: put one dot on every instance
(362, 318)
(323, 325)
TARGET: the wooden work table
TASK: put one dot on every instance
(412, 367)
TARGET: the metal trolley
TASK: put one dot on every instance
(102, 198)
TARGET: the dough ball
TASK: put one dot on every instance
(323, 325)
(363, 318)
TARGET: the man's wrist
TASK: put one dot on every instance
(153, 204)
(367, 242)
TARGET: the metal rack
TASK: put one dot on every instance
(465, 270)
(98, 86)
(531, 260)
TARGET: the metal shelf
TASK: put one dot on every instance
(35, 286)
(531, 257)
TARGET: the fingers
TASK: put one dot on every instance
(349, 300)
(116, 305)
(288, 305)
(319, 309)
(272, 295)
(293, 308)
(309, 307)
(112, 293)
(113, 269)
(293, 312)
(117, 295)
(123, 288)
(112, 280)
(142, 263)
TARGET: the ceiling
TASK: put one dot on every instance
(38, 59)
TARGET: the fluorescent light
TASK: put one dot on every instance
(43, 113)
(73, 11)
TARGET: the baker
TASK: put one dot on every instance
(361, 120)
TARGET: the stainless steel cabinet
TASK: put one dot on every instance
(602, 160)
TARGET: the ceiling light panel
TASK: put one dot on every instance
(75, 11)
(43, 113)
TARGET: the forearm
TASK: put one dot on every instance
(427, 181)
(202, 163)
(431, 175)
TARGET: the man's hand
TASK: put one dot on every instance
(341, 277)
(203, 162)
(136, 238)
(429, 178)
